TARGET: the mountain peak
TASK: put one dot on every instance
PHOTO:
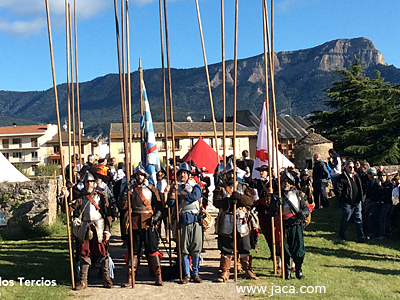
(333, 55)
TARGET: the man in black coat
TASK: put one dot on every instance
(349, 192)
(320, 177)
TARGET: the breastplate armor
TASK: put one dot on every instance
(91, 213)
(185, 206)
(137, 201)
(292, 197)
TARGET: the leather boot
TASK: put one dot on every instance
(135, 264)
(155, 264)
(249, 273)
(299, 263)
(82, 284)
(107, 282)
(225, 264)
(288, 272)
(239, 265)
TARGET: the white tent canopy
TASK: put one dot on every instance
(9, 173)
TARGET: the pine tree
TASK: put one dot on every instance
(365, 116)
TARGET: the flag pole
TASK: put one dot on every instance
(128, 61)
(265, 28)
(124, 129)
(178, 237)
(208, 79)
(71, 261)
(223, 83)
(72, 88)
(234, 138)
(165, 123)
(275, 135)
(142, 133)
(77, 88)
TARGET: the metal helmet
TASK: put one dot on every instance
(184, 167)
(286, 174)
(141, 169)
(88, 177)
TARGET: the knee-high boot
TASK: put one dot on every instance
(249, 273)
(225, 265)
(107, 282)
(130, 270)
(288, 270)
(299, 263)
(82, 284)
(155, 264)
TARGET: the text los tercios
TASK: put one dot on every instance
(28, 282)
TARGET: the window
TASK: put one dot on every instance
(191, 142)
(34, 154)
(212, 143)
(231, 142)
(163, 144)
(6, 143)
(6, 155)
(34, 142)
(83, 149)
(16, 141)
(56, 149)
(17, 154)
(177, 144)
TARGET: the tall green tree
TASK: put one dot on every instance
(364, 121)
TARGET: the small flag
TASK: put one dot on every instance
(152, 161)
(261, 157)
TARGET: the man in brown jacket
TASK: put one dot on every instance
(224, 197)
(146, 214)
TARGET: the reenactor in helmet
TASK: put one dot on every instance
(224, 197)
(146, 214)
(294, 213)
(91, 226)
(188, 192)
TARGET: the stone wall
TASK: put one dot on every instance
(29, 203)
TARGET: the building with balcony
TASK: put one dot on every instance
(26, 145)
(186, 135)
(29, 146)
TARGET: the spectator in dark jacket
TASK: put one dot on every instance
(349, 192)
(320, 176)
(381, 195)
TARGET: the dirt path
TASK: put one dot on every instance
(145, 288)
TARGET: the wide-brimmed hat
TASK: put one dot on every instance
(262, 168)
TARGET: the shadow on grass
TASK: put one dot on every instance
(46, 258)
(347, 253)
(371, 270)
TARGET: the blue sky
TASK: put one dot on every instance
(24, 49)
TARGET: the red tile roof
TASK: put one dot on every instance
(23, 129)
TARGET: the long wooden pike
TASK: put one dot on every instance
(234, 136)
(128, 68)
(124, 129)
(275, 138)
(223, 83)
(208, 79)
(165, 123)
(77, 87)
(72, 88)
(178, 237)
(71, 260)
(265, 28)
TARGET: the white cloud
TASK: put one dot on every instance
(26, 17)
(24, 28)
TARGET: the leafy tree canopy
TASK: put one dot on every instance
(365, 120)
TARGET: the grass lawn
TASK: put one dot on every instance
(33, 259)
(347, 270)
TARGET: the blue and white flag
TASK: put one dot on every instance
(152, 161)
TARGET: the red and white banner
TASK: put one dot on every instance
(261, 157)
